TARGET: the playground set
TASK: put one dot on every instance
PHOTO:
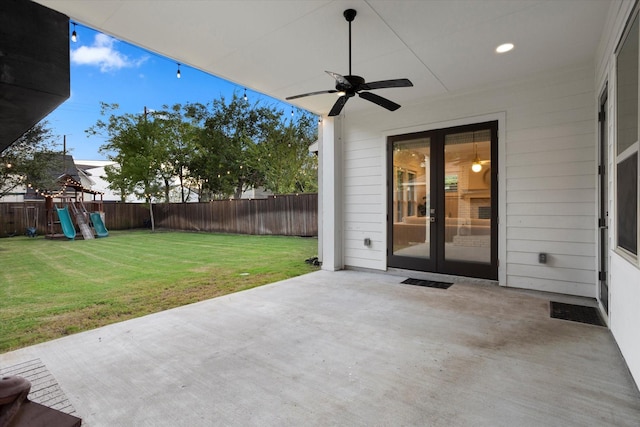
(22, 217)
(70, 208)
(65, 207)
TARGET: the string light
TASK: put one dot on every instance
(245, 94)
(69, 182)
(74, 38)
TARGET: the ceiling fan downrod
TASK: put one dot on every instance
(350, 15)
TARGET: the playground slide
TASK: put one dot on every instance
(98, 225)
(65, 221)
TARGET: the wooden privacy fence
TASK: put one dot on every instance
(124, 216)
(290, 215)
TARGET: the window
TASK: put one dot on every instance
(411, 193)
(484, 212)
(628, 204)
(399, 195)
(451, 183)
(627, 142)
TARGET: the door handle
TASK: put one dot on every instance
(432, 219)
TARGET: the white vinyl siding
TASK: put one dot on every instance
(364, 204)
(548, 203)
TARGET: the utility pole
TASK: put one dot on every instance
(64, 154)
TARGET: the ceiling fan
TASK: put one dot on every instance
(350, 85)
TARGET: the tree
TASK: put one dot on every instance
(284, 160)
(177, 135)
(222, 160)
(29, 160)
(221, 148)
(137, 144)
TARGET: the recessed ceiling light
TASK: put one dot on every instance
(504, 48)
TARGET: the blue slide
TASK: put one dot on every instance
(65, 221)
(98, 225)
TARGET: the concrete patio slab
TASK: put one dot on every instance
(346, 348)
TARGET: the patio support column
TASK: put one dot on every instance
(330, 194)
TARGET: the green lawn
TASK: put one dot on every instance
(52, 288)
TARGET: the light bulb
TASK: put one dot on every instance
(503, 48)
(476, 166)
(74, 35)
(178, 73)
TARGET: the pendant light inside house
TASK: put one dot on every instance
(74, 35)
(476, 166)
(178, 73)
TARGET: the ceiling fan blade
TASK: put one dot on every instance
(382, 84)
(383, 102)
(339, 78)
(337, 107)
(320, 92)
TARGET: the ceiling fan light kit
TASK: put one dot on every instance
(350, 85)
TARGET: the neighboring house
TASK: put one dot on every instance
(94, 173)
(553, 126)
(63, 170)
(256, 193)
(16, 195)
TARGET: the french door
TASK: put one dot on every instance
(603, 218)
(442, 201)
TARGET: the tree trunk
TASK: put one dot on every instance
(166, 190)
(181, 186)
(239, 189)
(153, 222)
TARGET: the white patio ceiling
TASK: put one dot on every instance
(283, 47)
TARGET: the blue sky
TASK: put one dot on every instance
(104, 69)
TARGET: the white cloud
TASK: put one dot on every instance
(103, 54)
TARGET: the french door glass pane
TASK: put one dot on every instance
(467, 190)
(411, 208)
